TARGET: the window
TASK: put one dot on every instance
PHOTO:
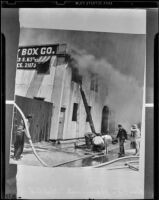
(94, 83)
(39, 98)
(74, 114)
(61, 49)
(61, 60)
(75, 76)
(87, 118)
(43, 65)
(63, 109)
(73, 64)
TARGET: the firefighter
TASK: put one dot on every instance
(95, 141)
(89, 139)
(121, 136)
(135, 133)
(98, 143)
(20, 137)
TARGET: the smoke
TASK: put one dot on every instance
(120, 92)
(119, 59)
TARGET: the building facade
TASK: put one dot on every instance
(53, 81)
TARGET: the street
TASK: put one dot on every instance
(56, 154)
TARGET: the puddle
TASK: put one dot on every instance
(87, 162)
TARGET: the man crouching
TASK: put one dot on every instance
(97, 142)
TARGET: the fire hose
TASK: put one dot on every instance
(27, 133)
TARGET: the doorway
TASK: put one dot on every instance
(61, 123)
(105, 121)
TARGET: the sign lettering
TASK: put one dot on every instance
(29, 57)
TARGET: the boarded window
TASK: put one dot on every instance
(74, 114)
(87, 118)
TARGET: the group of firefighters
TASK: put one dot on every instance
(99, 142)
(135, 138)
(94, 141)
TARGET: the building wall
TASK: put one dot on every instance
(39, 124)
(56, 98)
(71, 95)
(30, 84)
(59, 89)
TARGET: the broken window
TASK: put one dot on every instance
(43, 65)
(87, 118)
(74, 114)
(75, 76)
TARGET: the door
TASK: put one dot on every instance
(61, 123)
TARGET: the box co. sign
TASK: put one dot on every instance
(28, 57)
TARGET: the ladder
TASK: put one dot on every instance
(78, 115)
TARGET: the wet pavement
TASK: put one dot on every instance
(63, 183)
(57, 154)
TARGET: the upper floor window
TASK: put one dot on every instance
(76, 77)
(94, 83)
(43, 65)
